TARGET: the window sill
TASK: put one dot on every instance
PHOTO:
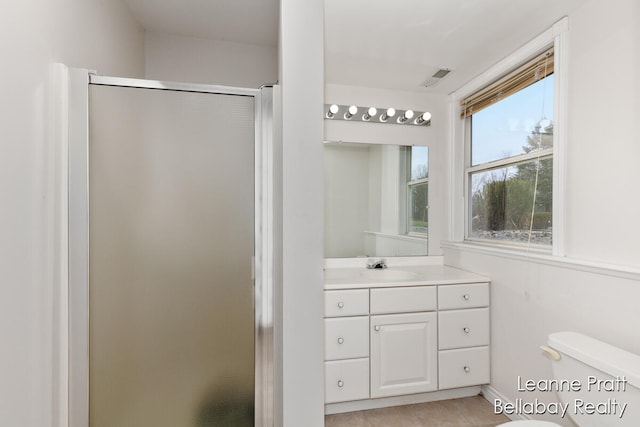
(511, 245)
(544, 257)
(419, 238)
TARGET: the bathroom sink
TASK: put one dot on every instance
(388, 274)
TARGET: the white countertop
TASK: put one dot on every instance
(406, 275)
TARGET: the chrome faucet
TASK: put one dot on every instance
(376, 263)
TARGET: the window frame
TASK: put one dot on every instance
(459, 150)
(494, 165)
(407, 184)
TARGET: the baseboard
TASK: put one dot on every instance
(360, 405)
(491, 394)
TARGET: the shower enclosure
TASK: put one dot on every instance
(170, 321)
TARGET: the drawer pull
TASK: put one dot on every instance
(340, 304)
(467, 369)
(377, 328)
(466, 297)
(466, 330)
(340, 340)
(340, 383)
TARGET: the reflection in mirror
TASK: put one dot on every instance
(376, 200)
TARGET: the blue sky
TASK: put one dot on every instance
(419, 156)
(501, 130)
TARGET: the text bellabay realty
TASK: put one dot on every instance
(610, 406)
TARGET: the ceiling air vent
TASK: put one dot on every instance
(437, 76)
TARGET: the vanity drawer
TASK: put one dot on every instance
(463, 367)
(463, 328)
(353, 302)
(403, 299)
(346, 338)
(463, 296)
(346, 380)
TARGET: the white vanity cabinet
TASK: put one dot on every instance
(387, 341)
(346, 345)
(463, 335)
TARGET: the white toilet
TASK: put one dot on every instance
(607, 375)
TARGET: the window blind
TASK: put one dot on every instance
(535, 69)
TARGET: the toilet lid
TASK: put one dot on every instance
(529, 423)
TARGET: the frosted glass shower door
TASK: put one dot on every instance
(171, 240)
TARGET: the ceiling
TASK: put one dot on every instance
(374, 43)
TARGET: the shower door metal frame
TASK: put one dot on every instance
(78, 236)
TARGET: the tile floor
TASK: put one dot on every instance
(466, 412)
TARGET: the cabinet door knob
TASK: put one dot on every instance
(377, 328)
(466, 297)
(340, 304)
(467, 369)
(340, 340)
(466, 330)
(340, 383)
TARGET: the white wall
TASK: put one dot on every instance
(300, 341)
(530, 299)
(433, 136)
(195, 60)
(35, 34)
(603, 150)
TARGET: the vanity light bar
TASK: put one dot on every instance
(355, 113)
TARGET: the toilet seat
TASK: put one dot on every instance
(529, 423)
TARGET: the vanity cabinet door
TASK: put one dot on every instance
(346, 338)
(346, 380)
(454, 297)
(464, 367)
(463, 328)
(403, 354)
(351, 302)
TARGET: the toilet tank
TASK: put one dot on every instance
(608, 379)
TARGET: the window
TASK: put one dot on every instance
(418, 192)
(509, 170)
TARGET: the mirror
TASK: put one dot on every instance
(376, 200)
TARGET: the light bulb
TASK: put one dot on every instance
(333, 110)
(350, 112)
(389, 113)
(424, 117)
(370, 113)
(408, 115)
